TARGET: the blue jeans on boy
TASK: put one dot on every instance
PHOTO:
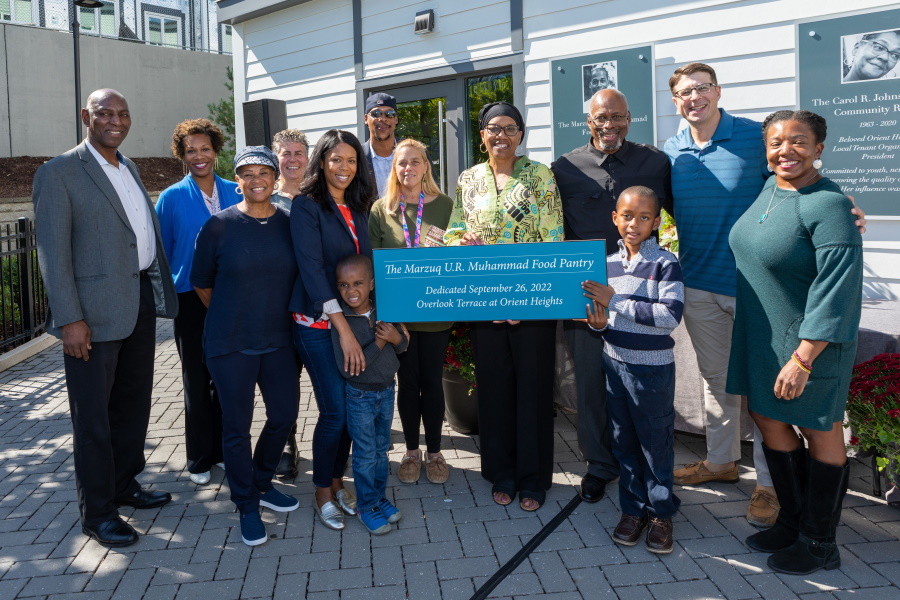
(369, 416)
(640, 403)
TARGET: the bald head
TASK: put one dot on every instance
(604, 96)
(98, 97)
(608, 120)
(108, 120)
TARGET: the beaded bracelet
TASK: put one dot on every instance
(803, 366)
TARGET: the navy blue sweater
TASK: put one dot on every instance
(251, 269)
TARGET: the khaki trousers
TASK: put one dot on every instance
(709, 319)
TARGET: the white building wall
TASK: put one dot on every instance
(465, 30)
(751, 45)
(304, 56)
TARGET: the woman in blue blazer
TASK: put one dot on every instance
(329, 220)
(183, 208)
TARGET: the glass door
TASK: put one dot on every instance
(430, 113)
(444, 116)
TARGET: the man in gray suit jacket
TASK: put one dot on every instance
(107, 279)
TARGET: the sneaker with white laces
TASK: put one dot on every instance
(278, 501)
(253, 531)
(374, 520)
(390, 512)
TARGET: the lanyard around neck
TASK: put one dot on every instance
(415, 244)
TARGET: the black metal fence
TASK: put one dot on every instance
(23, 301)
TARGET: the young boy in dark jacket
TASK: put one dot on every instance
(370, 394)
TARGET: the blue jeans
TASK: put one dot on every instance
(331, 441)
(640, 403)
(369, 416)
(236, 376)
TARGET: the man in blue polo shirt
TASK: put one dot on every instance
(718, 169)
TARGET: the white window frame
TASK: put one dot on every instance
(97, 17)
(163, 18)
(14, 18)
(223, 27)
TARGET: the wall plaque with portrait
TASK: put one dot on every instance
(849, 72)
(575, 80)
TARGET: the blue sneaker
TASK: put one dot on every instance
(374, 521)
(390, 512)
(278, 501)
(253, 531)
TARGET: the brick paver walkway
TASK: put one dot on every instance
(451, 539)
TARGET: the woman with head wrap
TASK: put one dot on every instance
(511, 199)
(244, 271)
(183, 208)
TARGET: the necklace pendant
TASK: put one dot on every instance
(764, 216)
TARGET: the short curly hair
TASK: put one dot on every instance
(196, 127)
(815, 122)
(289, 135)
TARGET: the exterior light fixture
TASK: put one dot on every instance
(424, 22)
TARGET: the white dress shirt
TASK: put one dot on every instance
(135, 205)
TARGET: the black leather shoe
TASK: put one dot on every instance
(145, 499)
(592, 488)
(112, 534)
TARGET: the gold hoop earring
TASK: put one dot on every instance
(216, 166)
(483, 148)
(184, 169)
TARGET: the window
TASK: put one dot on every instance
(100, 21)
(225, 40)
(17, 11)
(162, 30)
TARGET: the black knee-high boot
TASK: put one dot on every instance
(815, 548)
(788, 471)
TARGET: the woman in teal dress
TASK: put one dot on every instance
(799, 264)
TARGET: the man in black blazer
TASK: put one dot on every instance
(107, 279)
(381, 119)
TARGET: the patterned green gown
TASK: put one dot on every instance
(799, 274)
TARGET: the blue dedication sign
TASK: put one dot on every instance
(485, 283)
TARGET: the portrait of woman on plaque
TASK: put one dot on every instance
(870, 56)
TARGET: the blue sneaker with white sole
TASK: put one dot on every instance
(374, 521)
(390, 512)
(253, 531)
(278, 501)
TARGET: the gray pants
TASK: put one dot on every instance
(586, 347)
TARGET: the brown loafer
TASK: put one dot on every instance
(697, 473)
(629, 529)
(659, 536)
(763, 509)
(410, 468)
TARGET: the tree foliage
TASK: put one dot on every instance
(222, 114)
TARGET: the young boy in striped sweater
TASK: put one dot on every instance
(645, 299)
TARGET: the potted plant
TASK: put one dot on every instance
(460, 395)
(873, 414)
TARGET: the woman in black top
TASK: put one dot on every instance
(244, 271)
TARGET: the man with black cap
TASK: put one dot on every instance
(381, 119)
(590, 179)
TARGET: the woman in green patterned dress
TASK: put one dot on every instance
(511, 199)
(799, 266)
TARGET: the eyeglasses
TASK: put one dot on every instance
(509, 130)
(880, 49)
(702, 89)
(377, 114)
(600, 120)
